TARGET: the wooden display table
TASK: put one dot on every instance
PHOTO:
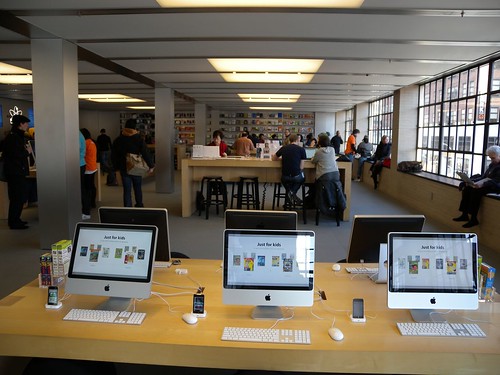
(27, 329)
(267, 170)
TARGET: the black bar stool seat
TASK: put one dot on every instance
(247, 193)
(215, 194)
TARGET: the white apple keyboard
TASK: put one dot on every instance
(440, 329)
(271, 335)
(362, 270)
(162, 264)
(105, 316)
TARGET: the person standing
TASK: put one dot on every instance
(16, 152)
(217, 141)
(350, 147)
(292, 165)
(488, 182)
(382, 152)
(90, 170)
(336, 141)
(104, 145)
(364, 150)
(243, 146)
(130, 141)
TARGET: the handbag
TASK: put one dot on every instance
(136, 166)
(3, 177)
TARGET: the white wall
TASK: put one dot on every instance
(94, 121)
(324, 122)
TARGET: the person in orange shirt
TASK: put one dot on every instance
(243, 146)
(90, 192)
(350, 146)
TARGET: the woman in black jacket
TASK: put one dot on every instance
(15, 154)
(383, 152)
(130, 141)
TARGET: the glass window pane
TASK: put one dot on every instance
(483, 79)
(494, 107)
(481, 109)
(447, 88)
(462, 112)
(478, 139)
(495, 82)
(493, 135)
(464, 84)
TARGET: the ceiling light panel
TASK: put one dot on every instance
(261, 3)
(12, 69)
(266, 65)
(267, 78)
(272, 108)
(270, 98)
(109, 98)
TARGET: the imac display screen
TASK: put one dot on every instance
(113, 260)
(432, 271)
(369, 231)
(268, 268)
(142, 216)
(260, 219)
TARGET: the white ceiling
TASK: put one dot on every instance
(369, 52)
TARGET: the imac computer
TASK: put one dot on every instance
(432, 271)
(369, 231)
(112, 260)
(260, 219)
(268, 269)
(142, 216)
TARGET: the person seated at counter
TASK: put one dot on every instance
(243, 146)
(217, 137)
(292, 165)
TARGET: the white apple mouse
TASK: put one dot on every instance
(336, 334)
(336, 267)
(190, 318)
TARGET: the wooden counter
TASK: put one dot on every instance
(27, 329)
(267, 170)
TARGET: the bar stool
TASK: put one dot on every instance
(247, 193)
(295, 206)
(216, 194)
(278, 194)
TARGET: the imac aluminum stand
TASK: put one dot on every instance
(267, 313)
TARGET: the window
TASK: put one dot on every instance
(349, 122)
(380, 117)
(458, 119)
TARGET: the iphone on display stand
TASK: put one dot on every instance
(199, 305)
(53, 298)
(358, 310)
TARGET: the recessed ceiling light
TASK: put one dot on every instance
(270, 98)
(142, 107)
(16, 79)
(267, 70)
(14, 75)
(267, 78)
(261, 3)
(266, 65)
(12, 69)
(272, 108)
(109, 98)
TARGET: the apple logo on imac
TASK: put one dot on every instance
(106, 288)
(433, 301)
(268, 297)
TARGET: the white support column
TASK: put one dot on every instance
(361, 119)
(404, 126)
(55, 101)
(200, 119)
(164, 140)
